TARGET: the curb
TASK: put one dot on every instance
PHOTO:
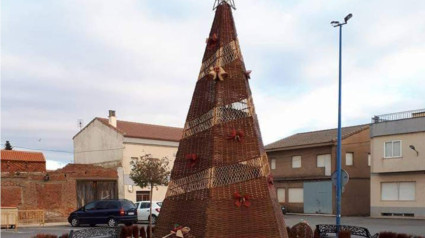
(44, 225)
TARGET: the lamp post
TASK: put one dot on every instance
(338, 152)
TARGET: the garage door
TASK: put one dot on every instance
(318, 197)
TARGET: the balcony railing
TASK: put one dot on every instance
(398, 116)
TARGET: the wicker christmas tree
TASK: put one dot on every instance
(220, 183)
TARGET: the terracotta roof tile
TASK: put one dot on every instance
(22, 156)
(314, 137)
(146, 131)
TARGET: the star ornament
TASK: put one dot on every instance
(218, 73)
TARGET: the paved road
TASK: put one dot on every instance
(375, 225)
(410, 226)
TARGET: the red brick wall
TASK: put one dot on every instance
(57, 196)
(22, 166)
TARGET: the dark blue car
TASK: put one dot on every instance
(110, 212)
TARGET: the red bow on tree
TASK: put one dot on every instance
(212, 41)
(236, 135)
(248, 74)
(192, 159)
(241, 199)
(270, 180)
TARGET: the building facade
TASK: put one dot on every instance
(398, 165)
(302, 165)
(112, 143)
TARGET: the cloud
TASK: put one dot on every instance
(69, 60)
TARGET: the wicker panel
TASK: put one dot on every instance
(200, 144)
(228, 150)
(219, 176)
(223, 26)
(255, 188)
(252, 222)
(203, 98)
(221, 114)
(222, 57)
(190, 213)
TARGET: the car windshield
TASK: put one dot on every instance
(127, 204)
(159, 204)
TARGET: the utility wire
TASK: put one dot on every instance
(64, 151)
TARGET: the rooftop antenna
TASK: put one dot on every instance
(80, 123)
(219, 2)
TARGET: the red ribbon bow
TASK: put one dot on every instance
(192, 159)
(241, 199)
(236, 135)
(211, 41)
(270, 180)
(248, 74)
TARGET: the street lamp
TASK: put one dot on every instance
(338, 152)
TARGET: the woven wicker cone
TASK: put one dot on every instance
(201, 193)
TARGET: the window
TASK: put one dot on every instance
(90, 206)
(369, 159)
(281, 194)
(398, 191)
(324, 161)
(132, 165)
(349, 157)
(296, 161)
(273, 163)
(392, 149)
(142, 196)
(296, 195)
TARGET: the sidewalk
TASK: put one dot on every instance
(49, 224)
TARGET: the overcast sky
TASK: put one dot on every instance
(64, 60)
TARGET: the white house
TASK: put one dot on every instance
(113, 143)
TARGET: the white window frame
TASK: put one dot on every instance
(291, 198)
(392, 149)
(282, 198)
(273, 163)
(352, 159)
(300, 161)
(397, 184)
(327, 164)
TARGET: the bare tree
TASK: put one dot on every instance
(150, 172)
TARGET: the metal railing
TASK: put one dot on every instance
(399, 116)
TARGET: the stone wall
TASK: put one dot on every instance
(57, 195)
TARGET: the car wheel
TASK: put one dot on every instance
(154, 218)
(92, 225)
(75, 222)
(112, 222)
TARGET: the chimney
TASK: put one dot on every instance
(112, 118)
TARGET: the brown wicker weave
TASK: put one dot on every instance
(220, 184)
